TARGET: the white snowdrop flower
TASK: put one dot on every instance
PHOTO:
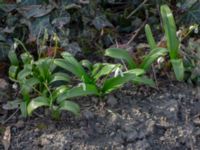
(83, 85)
(117, 72)
(196, 30)
(14, 86)
(160, 60)
(192, 27)
(15, 46)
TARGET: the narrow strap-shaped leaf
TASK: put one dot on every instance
(170, 31)
(24, 72)
(86, 63)
(59, 90)
(150, 38)
(152, 56)
(70, 106)
(71, 61)
(13, 58)
(28, 84)
(78, 91)
(26, 58)
(60, 76)
(13, 72)
(95, 68)
(121, 54)
(105, 70)
(44, 67)
(143, 80)
(77, 70)
(178, 68)
(23, 109)
(36, 103)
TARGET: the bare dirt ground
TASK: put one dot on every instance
(131, 118)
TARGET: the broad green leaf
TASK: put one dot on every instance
(170, 31)
(95, 68)
(116, 82)
(178, 68)
(36, 103)
(44, 68)
(78, 91)
(70, 106)
(13, 58)
(13, 72)
(28, 84)
(152, 56)
(59, 90)
(143, 80)
(150, 37)
(60, 76)
(106, 70)
(87, 64)
(137, 71)
(71, 65)
(24, 72)
(121, 54)
(71, 61)
(27, 58)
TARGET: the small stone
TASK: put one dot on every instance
(150, 126)
(88, 115)
(112, 101)
(132, 136)
(19, 124)
(3, 84)
(44, 141)
(95, 100)
(196, 120)
(130, 146)
(142, 145)
(112, 134)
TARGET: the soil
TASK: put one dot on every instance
(132, 118)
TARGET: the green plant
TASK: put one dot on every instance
(37, 82)
(172, 41)
(123, 55)
(101, 78)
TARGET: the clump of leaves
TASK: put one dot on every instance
(100, 79)
(36, 79)
(123, 55)
(173, 44)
